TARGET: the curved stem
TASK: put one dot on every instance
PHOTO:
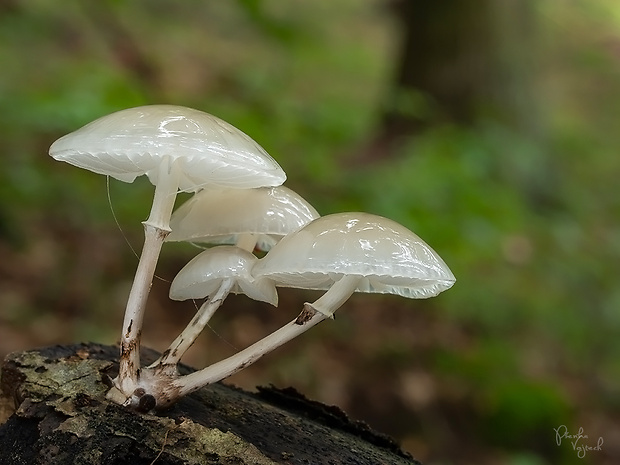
(231, 365)
(156, 228)
(188, 336)
(312, 314)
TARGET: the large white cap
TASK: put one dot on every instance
(386, 256)
(222, 215)
(206, 149)
(204, 274)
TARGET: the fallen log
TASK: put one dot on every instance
(53, 410)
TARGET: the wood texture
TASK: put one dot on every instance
(61, 416)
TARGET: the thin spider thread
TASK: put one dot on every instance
(118, 225)
(133, 250)
(218, 335)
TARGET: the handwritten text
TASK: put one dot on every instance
(578, 441)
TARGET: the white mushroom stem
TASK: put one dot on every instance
(171, 356)
(311, 315)
(175, 351)
(337, 295)
(231, 365)
(156, 228)
(247, 241)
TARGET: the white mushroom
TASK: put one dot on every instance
(344, 253)
(248, 218)
(349, 252)
(257, 217)
(203, 275)
(214, 273)
(177, 148)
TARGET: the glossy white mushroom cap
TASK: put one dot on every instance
(206, 149)
(204, 274)
(222, 215)
(386, 256)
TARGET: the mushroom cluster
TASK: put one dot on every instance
(239, 207)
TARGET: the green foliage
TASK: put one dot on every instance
(527, 222)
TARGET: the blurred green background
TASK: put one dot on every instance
(488, 128)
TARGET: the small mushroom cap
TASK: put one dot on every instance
(221, 215)
(386, 256)
(204, 274)
(132, 142)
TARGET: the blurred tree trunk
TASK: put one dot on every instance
(458, 60)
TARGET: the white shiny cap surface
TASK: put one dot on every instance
(221, 215)
(204, 274)
(386, 256)
(206, 149)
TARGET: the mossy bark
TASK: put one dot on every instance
(61, 416)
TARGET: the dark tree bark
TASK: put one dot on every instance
(457, 60)
(61, 416)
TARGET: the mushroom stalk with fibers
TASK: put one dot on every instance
(156, 228)
(216, 272)
(312, 314)
(175, 351)
(326, 305)
(307, 319)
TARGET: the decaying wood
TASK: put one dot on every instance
(60, 416)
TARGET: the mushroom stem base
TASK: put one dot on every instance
(136, 304)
